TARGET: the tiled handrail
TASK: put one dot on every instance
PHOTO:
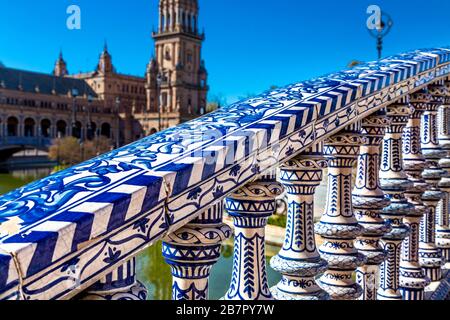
(64, 232)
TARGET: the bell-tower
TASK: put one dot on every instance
(177, 76)
(60, 69)
(105, 65)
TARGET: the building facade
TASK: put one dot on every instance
(37, 107)
(123, 94)
(174, 89)
(125, 108)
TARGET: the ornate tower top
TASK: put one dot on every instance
(105, 63)
(177, 76)
(178, 16)
(60, 69)
(152, 66)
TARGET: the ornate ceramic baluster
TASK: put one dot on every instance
(429, 254)
(121, 284)
(192, 251)
(368, 201)
(442, 212)
(299, 261)
(250, 208)
(412, 278)
(338, 226)
(442, 227)
(394, 183)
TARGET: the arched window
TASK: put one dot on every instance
(12, 126)
(167, 53)
(164, 99)
(106, 130)
(91, 133)
(76, 130)
(61, 127)
(45, 128)
(29, 127)
(189, 106)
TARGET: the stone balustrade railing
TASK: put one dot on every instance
(27, 141)
(76, 233)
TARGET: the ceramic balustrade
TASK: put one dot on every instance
(120, 284)
(298, 260)
(368, 201)
(191, 252)
(429, 254)
(338, 226)
(412, 278)
(394, 182)
(443, 210)
(250, 207)
(160, 188)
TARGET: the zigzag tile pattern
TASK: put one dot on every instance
(140, 192)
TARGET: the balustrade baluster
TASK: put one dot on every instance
(120, 284)
(338, 226)
(250, 208)
(394, 182)
(192, 250)
(442, 213)
(443, 210)
(368, 201)
(298, 260)
(429, 254)
(412, 278)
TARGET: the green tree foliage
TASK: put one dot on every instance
(215, 102)
(68, 151)
(354, 63)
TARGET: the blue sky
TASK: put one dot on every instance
(250, 44)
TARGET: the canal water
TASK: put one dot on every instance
(153, 272)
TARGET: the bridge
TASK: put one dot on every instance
(385, 235)
(12, 145)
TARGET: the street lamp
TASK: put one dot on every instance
(159, 80)
(82, 149)
(117, 110)
(82, 138)
(145, 121)
(74, 111)
(39, 129)
(59, 146)
(3, 125)
(89, 125)
(381, 31)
